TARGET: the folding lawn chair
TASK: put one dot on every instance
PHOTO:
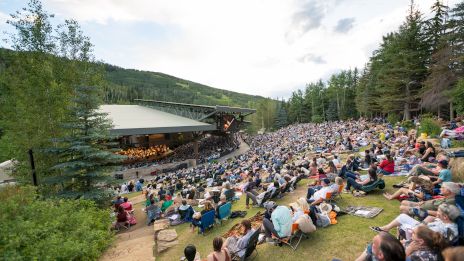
(295, 236)
(224, 212)
(250, 248)
(206, 221)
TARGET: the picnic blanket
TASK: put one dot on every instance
(397, 174)
(365, 212)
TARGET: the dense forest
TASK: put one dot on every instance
(417, 69)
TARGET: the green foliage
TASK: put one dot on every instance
(85, 158)
(430, 126)
(281, 119)
(457, 144)
(409, 124)
(34, 229)
(458, 97)
(317, 119)
(393, 118)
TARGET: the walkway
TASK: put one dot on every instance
(137, 242)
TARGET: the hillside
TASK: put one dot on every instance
(128, 84)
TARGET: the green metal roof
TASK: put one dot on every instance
(141, 120)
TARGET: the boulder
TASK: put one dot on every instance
(457, 168)
(161, 224)
(167, 235)
(163, 245)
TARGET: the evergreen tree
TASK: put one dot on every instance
(85, 156)
(440, 77)
(281, 119)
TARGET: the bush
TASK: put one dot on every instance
(408, 124)
(317, 119)
(34, 229)
(393, 118)
(430, 126)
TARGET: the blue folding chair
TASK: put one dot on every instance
(224, 211)
(206, 221)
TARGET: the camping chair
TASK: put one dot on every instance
(224, 212)
(206, 221)
(250, 248)
(332, 196)
(267, 196)
(295, 236)
(276, 193)
(329, 197)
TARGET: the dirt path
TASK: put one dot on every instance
(136, 243)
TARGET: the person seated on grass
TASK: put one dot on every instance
(280, 224)
(237, 245)
(387, 166)
(418, 190)
(425, 208)
(429, 153)
(347, 170)
(127, 205)
(443, 223)
(357, 184)
(185, 211)
(196, 222)
(222, 201)
(453, 253)
(121, 218)
(191, 254)
(368, 158)
(219, 253)
(425, 244)
(316, 195)
(384, 247)
(227, 191)
(153, 212)
(441, 170)
(167, 202)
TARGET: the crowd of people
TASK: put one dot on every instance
(276, 162)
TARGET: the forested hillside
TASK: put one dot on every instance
(125, 85)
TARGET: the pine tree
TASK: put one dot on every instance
(85, 156)
(440, 77)
(281, 119)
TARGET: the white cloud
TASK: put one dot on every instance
(249, 46)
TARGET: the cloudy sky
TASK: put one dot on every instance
(264, 47)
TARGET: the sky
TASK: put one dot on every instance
(262, 47)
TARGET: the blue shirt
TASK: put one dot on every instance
(282, 220)
(445, 175)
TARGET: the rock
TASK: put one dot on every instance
(163, 245)
(457, 168)
(167, 235)
(161, 224)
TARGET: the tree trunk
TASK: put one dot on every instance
(451, 111)
(407, 112)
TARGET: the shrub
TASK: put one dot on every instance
(34, 229)
(430, 126)
(317, 119)
(393, 118)
(408, 124)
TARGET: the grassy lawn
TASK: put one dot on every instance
(345, 240)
